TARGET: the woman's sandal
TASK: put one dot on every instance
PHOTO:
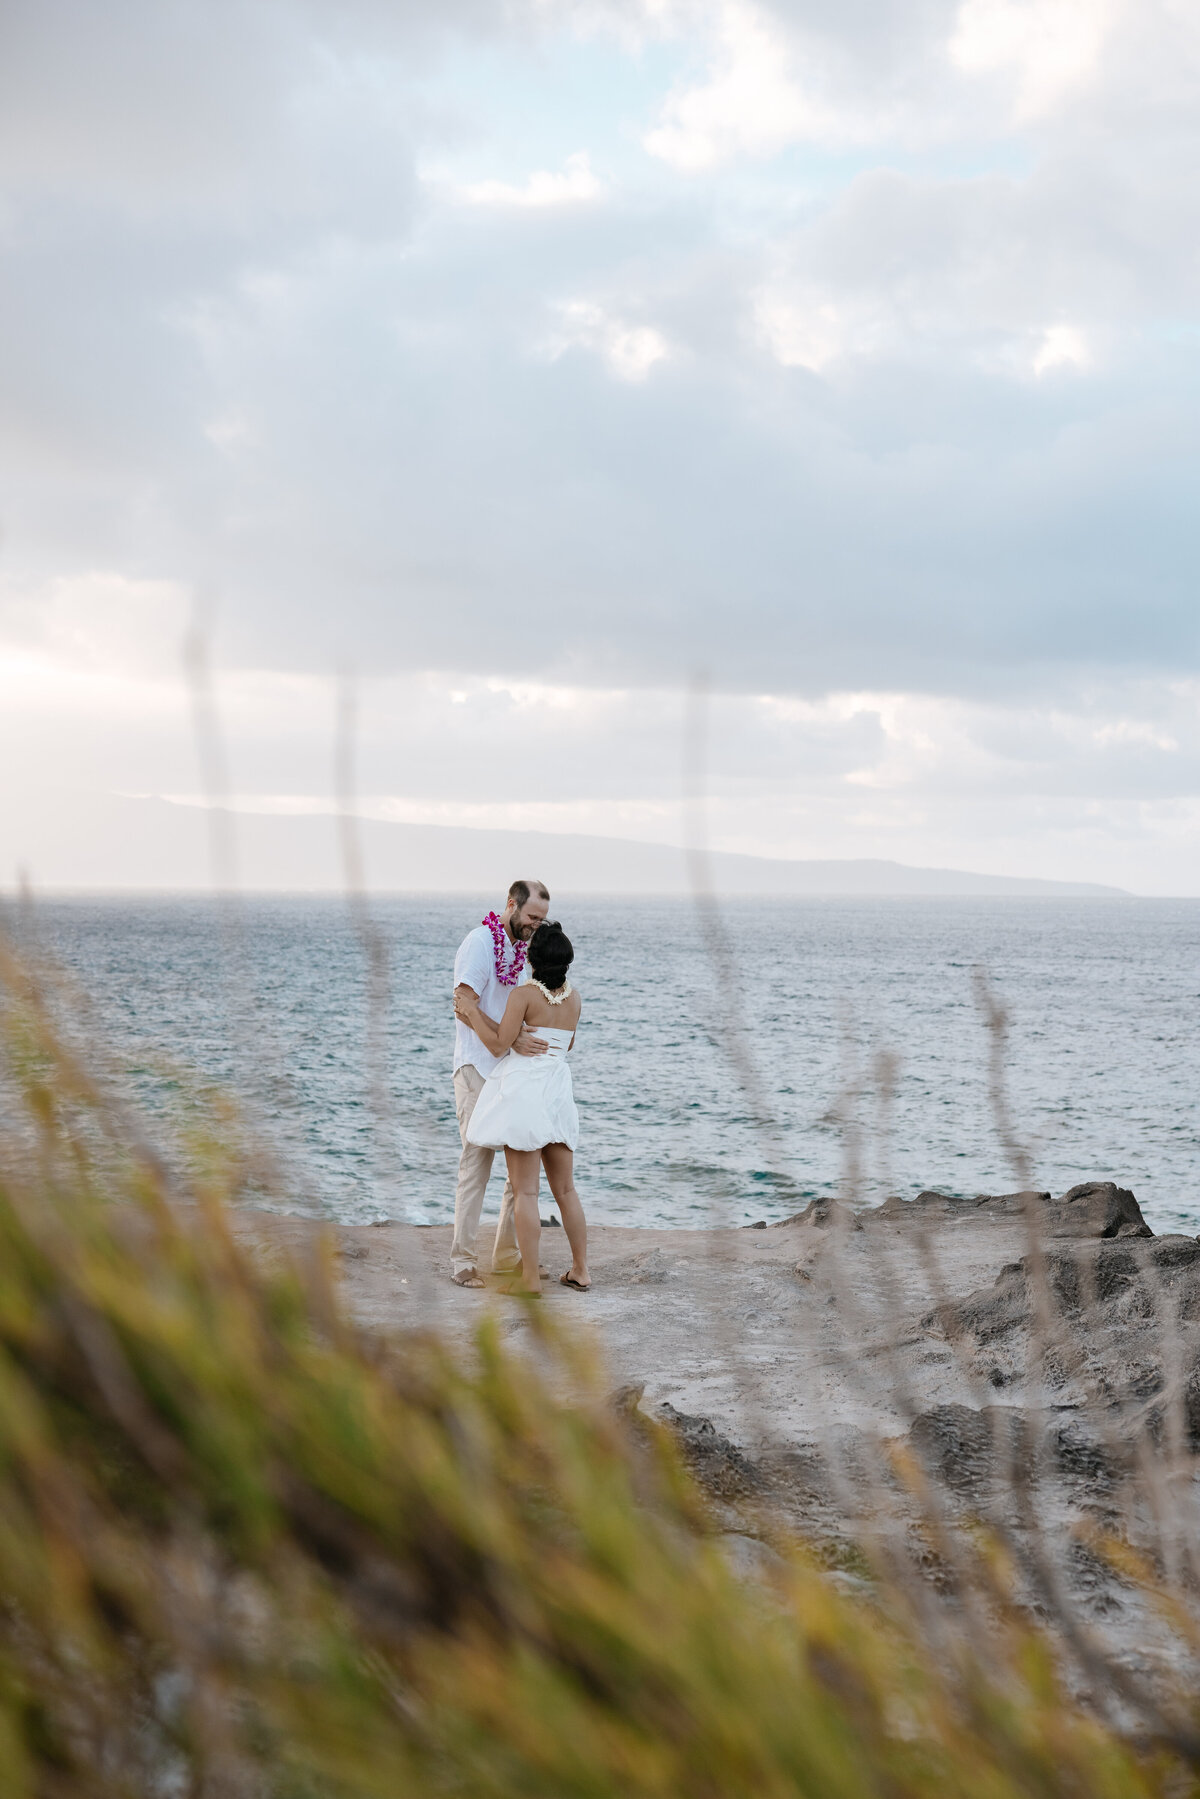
(568, 1280)
(518, 1290)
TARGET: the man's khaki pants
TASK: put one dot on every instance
(474, 1167)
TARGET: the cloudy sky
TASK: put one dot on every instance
(532, 361)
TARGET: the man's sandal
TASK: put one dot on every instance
(468, 1277)
(568, 1280)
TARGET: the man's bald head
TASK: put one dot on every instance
(528, 904)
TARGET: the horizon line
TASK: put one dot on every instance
(1099, 894)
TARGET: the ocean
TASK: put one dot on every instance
(838, 1048)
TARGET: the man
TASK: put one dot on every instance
(489, 964)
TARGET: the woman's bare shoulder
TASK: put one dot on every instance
(566, 1012)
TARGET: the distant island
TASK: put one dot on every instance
(156, 845)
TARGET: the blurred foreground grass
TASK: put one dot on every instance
(244, 1551)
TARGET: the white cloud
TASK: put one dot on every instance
(778, 76)
(1047, 48)
(1117, 732)
(41, 694)
(102, 621)
(805, 330)
(230, 431)
(798, 335)
(803, 327)
(1062, 346)
(574, 185)
(630, 350)
(752, 103)
(985, 274)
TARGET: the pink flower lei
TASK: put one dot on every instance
(506, 977)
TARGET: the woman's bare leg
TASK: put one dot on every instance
(559, 1163)
(524, 1171)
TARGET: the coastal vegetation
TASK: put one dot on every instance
(246, 1549)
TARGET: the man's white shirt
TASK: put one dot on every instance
(475, 967)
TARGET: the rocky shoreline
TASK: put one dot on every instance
(1037, 1357)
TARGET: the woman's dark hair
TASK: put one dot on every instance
(550, 954)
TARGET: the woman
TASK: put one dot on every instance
(527, 1107)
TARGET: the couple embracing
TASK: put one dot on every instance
(516, 1014)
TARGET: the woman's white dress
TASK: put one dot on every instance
(527, 1101)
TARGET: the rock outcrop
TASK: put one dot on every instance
(1091, 1209)
(717, 1462)
(826, 1373)
(819, 1214)
(1037, 1404)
